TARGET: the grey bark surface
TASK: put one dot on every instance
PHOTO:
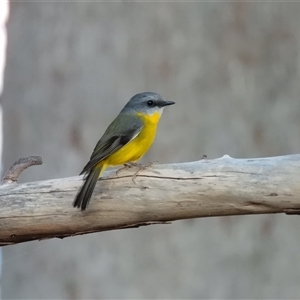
(207, 188)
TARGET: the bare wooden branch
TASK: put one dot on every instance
(19, 166)
(162, 193)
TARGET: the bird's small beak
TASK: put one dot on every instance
(166, 103)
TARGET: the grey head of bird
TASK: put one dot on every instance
(147, 103)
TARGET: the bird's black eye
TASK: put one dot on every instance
(150, 102)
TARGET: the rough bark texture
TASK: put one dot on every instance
(207, 188)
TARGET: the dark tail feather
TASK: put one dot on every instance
(85, 193)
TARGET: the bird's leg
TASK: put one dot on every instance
(137, 165)
(128, 166)
(141, 168)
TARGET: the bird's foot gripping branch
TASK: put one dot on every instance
(162, 193)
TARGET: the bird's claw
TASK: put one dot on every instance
(137, 165)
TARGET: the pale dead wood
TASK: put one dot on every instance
(162, 193)
(19, 166)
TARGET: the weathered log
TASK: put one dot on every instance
(162, 193)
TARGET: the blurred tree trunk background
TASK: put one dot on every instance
(233, 70)
(3, 44)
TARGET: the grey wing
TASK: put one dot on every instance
(119, 133)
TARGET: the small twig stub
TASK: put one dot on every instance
(19, 166)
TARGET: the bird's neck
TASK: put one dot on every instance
(152, 119)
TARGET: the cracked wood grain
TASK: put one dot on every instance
(162, 193)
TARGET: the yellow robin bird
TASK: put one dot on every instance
(126, 140)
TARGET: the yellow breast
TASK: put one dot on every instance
(136, 148)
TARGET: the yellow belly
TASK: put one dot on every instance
(136, 148)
